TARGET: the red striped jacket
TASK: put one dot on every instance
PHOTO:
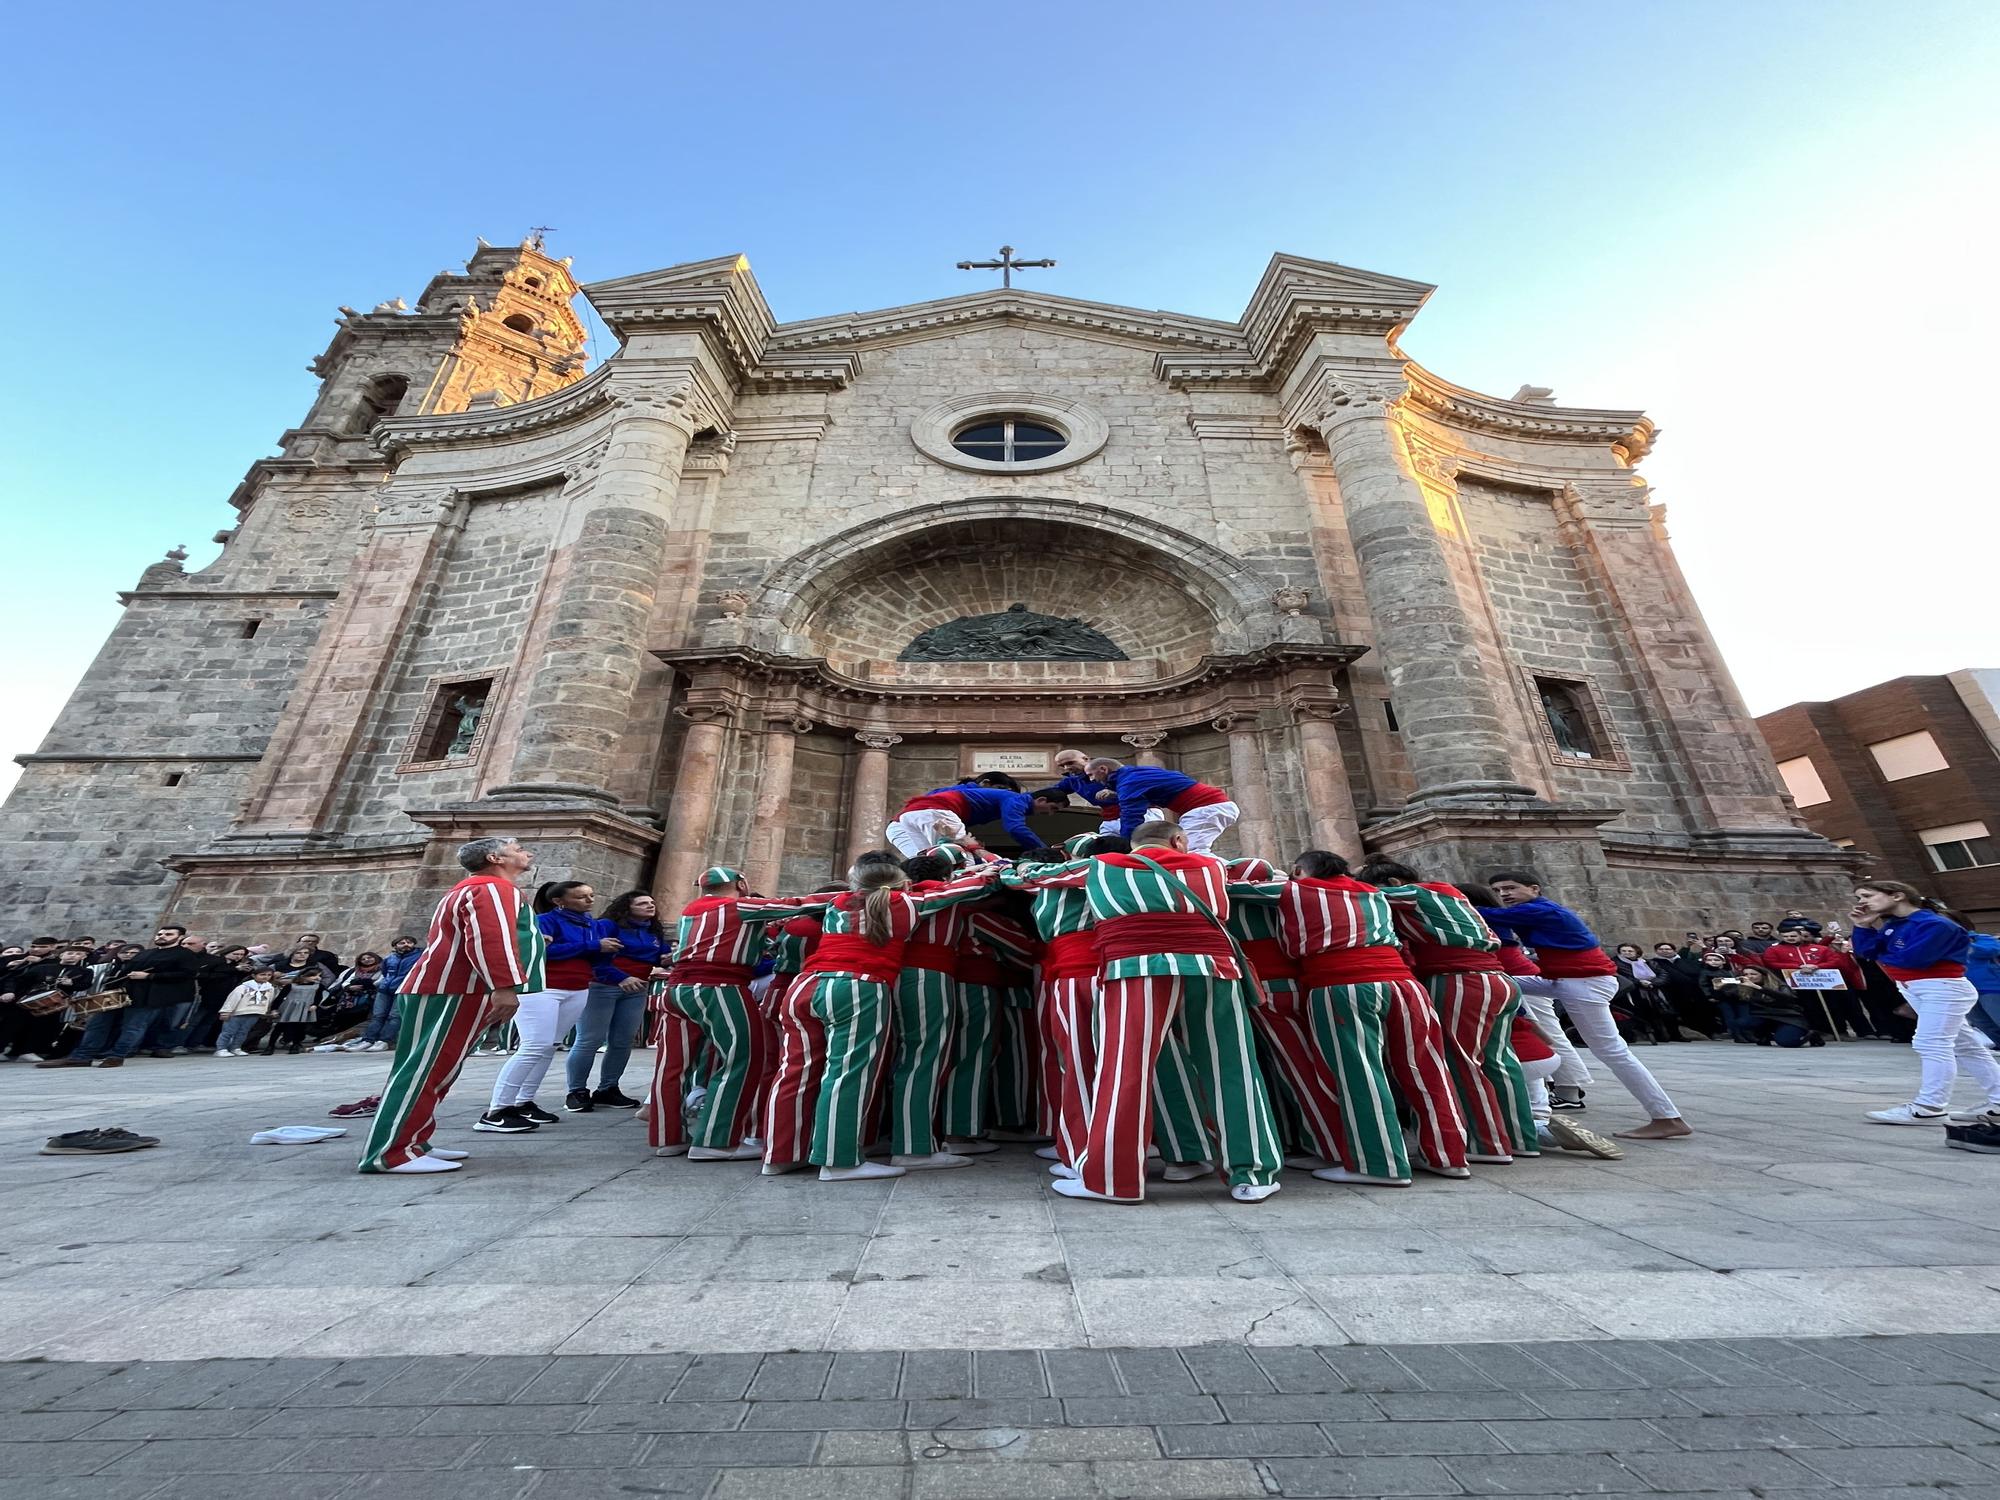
(474, 943)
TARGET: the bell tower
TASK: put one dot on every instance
(501, 331)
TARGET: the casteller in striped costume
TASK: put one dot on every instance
(1454, 952)
(483, 949)
(1163, 949)
(708, 985)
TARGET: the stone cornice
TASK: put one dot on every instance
(398, 436)
(1631, 433)
(782, 428)
(81, 758)
(1010, 305)
(728, 681)
(1236, 427)
(128, 595)
(718, 297)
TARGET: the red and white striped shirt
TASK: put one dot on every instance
(473, 946)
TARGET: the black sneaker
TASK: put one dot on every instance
(97, 1143)
(507, 1121)
(533, 1111)
(1984, 1138)
(613, 1099)
(577, 1102)
(1557, 1102)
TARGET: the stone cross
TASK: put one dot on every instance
(1006, 265)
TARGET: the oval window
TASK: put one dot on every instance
(1008, 440)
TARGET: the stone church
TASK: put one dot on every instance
(734, 592)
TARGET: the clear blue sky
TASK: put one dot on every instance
(1768, 224)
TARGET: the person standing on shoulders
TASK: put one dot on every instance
(544, 1017)
(1923, 950)
(1581, 976)
(620, 982)
(483, 949)
(945, 813)
(1203, 812)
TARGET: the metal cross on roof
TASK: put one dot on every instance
(1006, 265)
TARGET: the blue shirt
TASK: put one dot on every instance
(571, 934)
(394, 966)
(1078, 785)
(642, 946)
(985, 804)
(1982, 963)
(1141, 787)
(1917, 941)
(1542, 924)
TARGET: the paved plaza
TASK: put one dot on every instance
(1794, 1299)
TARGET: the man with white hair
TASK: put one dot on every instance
(483, 949)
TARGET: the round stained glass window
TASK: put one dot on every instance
(1009, 440)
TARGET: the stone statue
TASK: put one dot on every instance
(1565, 723)
(1015, 634)
(470, 711)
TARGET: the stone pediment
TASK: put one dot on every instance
(947, 315)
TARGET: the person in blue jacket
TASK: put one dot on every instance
(1924, 951)
(946, 812)
(383, 1019)
(1982, 967)
(621, 981)
(1203, 812)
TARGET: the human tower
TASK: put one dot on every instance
(1139, 1004)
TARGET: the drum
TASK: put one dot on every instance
(46, 1003)
(90, 1005)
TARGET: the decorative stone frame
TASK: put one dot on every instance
(1085, 430)
(437, 703)
(1614, 756)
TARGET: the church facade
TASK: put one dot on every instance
(736, 592)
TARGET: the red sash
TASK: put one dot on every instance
(1070, 955)
(977, 967)
(1428, 958)
(1574, 963)
(851, 953)
(567, 973)
(1515, 961)
(1378, 965)
(940, 958)
(1929, 971)
(1269, 960)
(1151, 934)
(692, 972)
(636, 968)
(1201, 794)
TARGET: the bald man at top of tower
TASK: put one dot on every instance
(1204, 812)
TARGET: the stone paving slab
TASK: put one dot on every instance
(1787, 1216)
(1866, 1417)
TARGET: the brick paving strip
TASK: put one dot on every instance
(1864, 1418)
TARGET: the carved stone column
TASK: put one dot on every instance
(1452, 730)
(1330, 816)
(1249, 784)
(684, 849)
(579, 697)
(328, 716)
(1147, 744)
(868, 796)
(764, 864)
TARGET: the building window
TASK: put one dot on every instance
(1009, 440)
(1574, 729)
(174, 778)
(519, 322)
(250, 627)
(379, 400)
(1959, 846)
(453, 725)
(1389, 717)
(1907, 755)
(1801, 778)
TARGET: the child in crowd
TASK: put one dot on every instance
(247, 1004)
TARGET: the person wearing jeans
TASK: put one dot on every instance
(1924, 952)
(621, 982)
(1578, 975)
(383, 1017)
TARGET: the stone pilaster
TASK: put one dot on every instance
(1146, 747)
(580, 694)
(764, 864)
(868, 794)
(1452, 729)
(1330, 815)
(1249, 783)
(331, 710)
(684, 852)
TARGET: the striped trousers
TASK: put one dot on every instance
(1135, 1017)
(1017, 1063)
(968, 1064)
(925, 1002)
(1414, 1048)
(1297, 1068)
(853, 1014)
(677, 1051)
(433, 1037)
(1349, 1022)
(730, 1025)
(1070, 1028)
(793, 1096)
(1478, 1015)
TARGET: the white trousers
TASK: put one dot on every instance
(544, 1019)
(1538, 1071)
(1204, 825)
(1946, 1041)
(927, 827)
(1538, 1001)
(1587, 1003)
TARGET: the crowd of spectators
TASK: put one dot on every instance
(77, 1002)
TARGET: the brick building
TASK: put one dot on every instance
(1907, 772)
(667, 612)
